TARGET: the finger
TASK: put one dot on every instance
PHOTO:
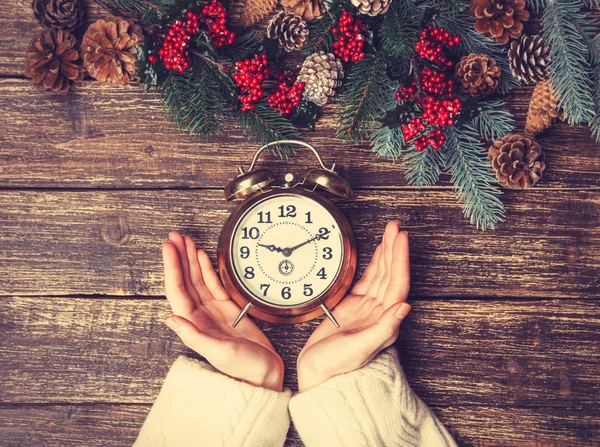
(391, 230)
(207, 346)
(380, 269)
(399, 284)
(383, 333)
(179, 243)
(210, 277)
(362, 286)
(196, 272)
(179, 299)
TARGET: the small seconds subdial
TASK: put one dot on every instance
(287, 250)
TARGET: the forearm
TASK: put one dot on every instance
(370, 406)
(198, 406)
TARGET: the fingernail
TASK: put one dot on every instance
(172, 323)
(402, 311)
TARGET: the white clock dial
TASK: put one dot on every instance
(287, 250)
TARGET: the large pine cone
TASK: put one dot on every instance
(543, 109)
(53, 61)
(256, 10)
(529, 57)
(372, 7)
(307, 9)
(289, 29)
(321, 73)
(500, 19)
(519, 161)
(478, 74)
(109, 50)
(63, 14)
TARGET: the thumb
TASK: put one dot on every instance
(198, 341)
(383, 333)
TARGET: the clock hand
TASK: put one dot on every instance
(271, 247)
(288, 251)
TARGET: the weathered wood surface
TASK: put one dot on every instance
(108, 242)
(115, 137)
(118, 425)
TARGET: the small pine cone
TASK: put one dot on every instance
(63, 14)
(518, 160)
(53, 61)
(307, 9)
(478, 74)
(500, 19)
(543, 109)
(289, 29)
(321, 73)
(256, 10)
(109, 50)
(529, 57)
(372, 7)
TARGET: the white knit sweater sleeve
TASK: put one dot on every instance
(372, 406)
(198, 406)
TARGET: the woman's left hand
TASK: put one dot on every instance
(203, 314)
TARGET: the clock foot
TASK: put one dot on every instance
(241, 315)
(330, 316)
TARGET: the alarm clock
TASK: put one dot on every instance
(287, 254)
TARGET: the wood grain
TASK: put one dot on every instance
(118, 425)
(108, 242)
(117, 137)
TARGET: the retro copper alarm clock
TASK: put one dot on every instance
(287, 254)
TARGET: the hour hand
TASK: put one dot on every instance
(271, 248)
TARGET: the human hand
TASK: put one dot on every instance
(369, 316)
(203, 314)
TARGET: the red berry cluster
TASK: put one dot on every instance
(441, 112)
(435, 139)
(435, 82)
(350, 39)
(406, 92)
(249, 77)
(414, 127)
(287, 94)
(215, 18)
(174, 51)
(431, 45)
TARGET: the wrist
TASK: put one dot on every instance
(271, 379)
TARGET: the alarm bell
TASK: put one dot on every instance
(255, 179)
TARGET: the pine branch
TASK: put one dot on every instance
(493, 120)
(422, 168)
(147, 11)
(569, 69)
(592, 4)
(400, 29)
(387, 142)
(472, 179)
(366, 93)
(245, 44)
(447, 7)
(536, 5)
(472, 42)
(595, 123)
(320, 37)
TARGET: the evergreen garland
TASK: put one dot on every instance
(492, 120)
(400, 29)
(423, 168)
(388, 142)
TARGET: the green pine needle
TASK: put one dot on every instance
(472, 179)
(400, 29)
(493, 120)
(387, 142)
(422, 168)
(320, 37)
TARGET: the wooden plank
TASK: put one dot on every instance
(455, 352)
(115, 137)
(108, 242)
(118, 425)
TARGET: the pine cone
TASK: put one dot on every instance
(63, 14)
(53, 61)
(518, 160)
(543, 109)
(500, 19)
(321, 73)
(109, 50)
(478, 74)
(289, 29)
(529, 57)
(256, 10)
(372, 7)
(307, 9)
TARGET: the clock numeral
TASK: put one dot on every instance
(323, 233)
(321, 273)
(308, 291)
(286, 293)
(244, 252)
(251, 233)
(308, 217)
(327, 253)
(266, 287)
(249, 272)
(262, 216)
(287, 211)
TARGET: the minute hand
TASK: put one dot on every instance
(288, 251)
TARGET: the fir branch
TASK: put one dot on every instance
(569, 68)
(592, 4)
(537, 5)
(447, 7)
(320, 37)
(245, 44)
(146, 11)
(422, 168)
(595, 123)
(265, 125)
(472, 42)
(400, 29)
(472, 179)
(387, 142)
(492, 120)
(366, 93)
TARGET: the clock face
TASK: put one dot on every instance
(287, 250)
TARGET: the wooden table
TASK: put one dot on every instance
(503, 342)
